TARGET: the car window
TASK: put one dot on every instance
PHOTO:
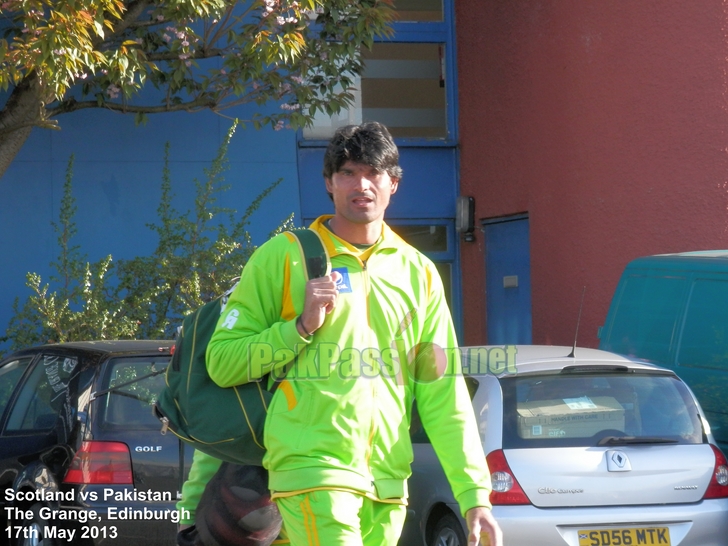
(646, 317)
(134, 389)
(10, 375)
(584, 409)
(43, 395)
(704, 342)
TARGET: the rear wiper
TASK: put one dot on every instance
(634, 440)
(97, 394)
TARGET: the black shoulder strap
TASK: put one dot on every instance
(314, 253)
(317, 263)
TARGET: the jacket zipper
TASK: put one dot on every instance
(373, 424)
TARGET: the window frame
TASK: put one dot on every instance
(442, 32)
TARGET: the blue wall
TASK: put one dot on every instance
(117, 181)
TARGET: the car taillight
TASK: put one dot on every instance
(718, 487)
(506, 489)
(101, 463)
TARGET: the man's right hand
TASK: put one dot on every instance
(484, 530)
(321, 295)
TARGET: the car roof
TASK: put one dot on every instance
(105, 347)
(554, 358)
(709, 260)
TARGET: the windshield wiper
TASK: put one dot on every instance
(95, 395)
(634, 440)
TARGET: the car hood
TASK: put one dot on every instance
(623, 475)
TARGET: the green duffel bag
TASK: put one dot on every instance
(226, 423)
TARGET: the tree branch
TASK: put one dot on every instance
(134, 11)
(196, 54)
(147, 24)
(223, 25)
(189, 106)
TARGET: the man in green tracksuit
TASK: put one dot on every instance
(357, 346)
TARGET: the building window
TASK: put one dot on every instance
(402, 86)
(435, 240)
(419, 10)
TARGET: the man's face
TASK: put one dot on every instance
(361, 193)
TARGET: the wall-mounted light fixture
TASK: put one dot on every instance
(465, 217)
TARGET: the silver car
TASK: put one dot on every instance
(585, 449)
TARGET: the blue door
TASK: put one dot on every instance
(508, 280)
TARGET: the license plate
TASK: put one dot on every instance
(637, 536)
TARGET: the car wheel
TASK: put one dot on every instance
(448, 532)
(33, 530)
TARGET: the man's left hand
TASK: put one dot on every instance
(482, 523)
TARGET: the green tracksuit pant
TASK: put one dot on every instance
(340, 518)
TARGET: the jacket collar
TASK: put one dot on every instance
(336, 245)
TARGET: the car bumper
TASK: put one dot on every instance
(700, 524)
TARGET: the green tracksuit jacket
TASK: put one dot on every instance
(341, 418)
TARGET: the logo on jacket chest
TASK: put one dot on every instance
(340, 276)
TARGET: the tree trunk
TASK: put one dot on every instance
(21, 112)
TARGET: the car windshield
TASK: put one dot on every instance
(598, 409)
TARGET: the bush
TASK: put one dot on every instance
(198, 255)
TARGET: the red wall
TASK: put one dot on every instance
(605, 121)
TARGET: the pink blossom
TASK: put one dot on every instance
(188, 63)
(222, 71)
(297, 79)
(279, 126)
(160, 17)
(185, 43)
(181, 35)
(280, 20)
(113, 91)
(166, 37)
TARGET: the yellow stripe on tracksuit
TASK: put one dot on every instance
(309, 522)
(343, 518)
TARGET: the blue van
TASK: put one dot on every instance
(672, 309)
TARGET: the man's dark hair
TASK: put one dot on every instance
(369, 143)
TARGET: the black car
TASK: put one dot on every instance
(82, 459)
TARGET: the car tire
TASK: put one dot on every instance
(33, 532)
(448, 532)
